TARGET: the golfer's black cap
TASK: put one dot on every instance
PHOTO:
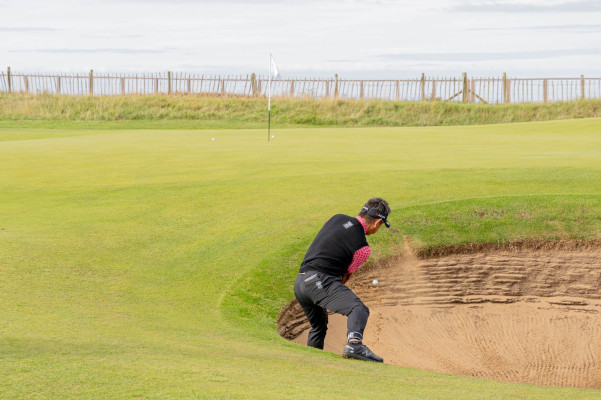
(375, 213)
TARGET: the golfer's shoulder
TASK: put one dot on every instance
(340, 217)
(345, 220)
(347, 223)
(347, 228)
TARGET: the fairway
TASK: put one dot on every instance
(154, 263)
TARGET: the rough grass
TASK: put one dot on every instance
(182, 112)
(152, 264)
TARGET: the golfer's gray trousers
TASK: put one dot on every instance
(317, 292)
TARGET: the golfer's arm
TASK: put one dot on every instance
(359, 259)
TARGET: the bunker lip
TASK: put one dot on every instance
(527, 311)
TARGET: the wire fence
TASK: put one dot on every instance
(500, 90)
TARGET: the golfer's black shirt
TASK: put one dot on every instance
(334, 246)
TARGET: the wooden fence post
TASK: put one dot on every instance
(253, 84)
(466, 95)
(58, 85)
(336, 86)
(398, 90)
(10, 86)
(505, 87)
(433, 96)
(292, 88)
(223, 87)
(361, 90)
(168, 82)
(122, 86)
(327, 88)
(26, 79)
(189, 86)
(423, 86)
(91, 88)
(545, 90)
(582, 92)
(473, 90)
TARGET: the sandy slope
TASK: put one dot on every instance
(530, 316)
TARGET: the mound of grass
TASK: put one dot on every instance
(183, 112)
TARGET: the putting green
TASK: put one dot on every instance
(153, 264)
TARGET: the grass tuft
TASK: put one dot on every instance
(183, 111)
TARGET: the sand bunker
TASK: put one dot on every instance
(527, 314)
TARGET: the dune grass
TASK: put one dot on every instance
(153, 263)
(192, 112)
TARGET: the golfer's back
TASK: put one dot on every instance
(334, 246)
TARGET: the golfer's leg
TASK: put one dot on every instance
(357, 319)
(318, 318)
(307, 295)
(343, 301)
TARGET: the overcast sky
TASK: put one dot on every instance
(308, 38)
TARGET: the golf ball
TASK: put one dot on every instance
(375, 282)
(213, 139)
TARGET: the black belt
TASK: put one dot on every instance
(320, 272)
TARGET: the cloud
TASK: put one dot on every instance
(483, 56)
(93, 51)
(206, 2)
(558, 28)
(26, 29)
(581, 6)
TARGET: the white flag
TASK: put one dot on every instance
(273, 69)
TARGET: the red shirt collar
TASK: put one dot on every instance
(362, 223)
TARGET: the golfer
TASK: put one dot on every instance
(338, 250)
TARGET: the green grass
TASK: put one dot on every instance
(194, 112)
(153, 263)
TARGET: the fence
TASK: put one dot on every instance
(499, 90)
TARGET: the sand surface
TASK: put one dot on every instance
(529, 316)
